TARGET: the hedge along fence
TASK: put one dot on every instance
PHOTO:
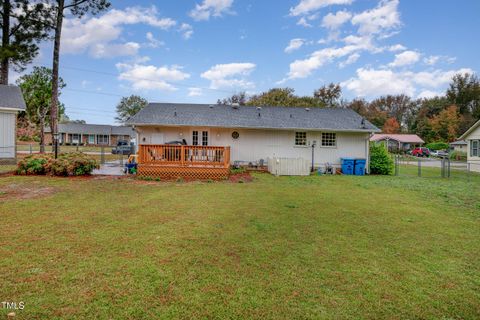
(439, 145)
(67, 164)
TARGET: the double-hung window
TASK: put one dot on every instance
(102, 139)
(474, 148)
(329, 139)
(300, 138)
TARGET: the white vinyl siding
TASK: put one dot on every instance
(253, 145)
(7, 135)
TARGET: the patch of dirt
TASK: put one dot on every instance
(240, 177)
(22, 192)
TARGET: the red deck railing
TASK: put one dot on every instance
(184, 156)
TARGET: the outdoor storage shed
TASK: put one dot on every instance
(11, 102)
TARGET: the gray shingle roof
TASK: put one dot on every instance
(335, 119)
(11, 97)
(94, 129)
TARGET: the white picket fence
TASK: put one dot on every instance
(288, 166)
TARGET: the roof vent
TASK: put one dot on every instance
(259, 114)
(211, 106)
(175, 114)
(291, 116)
(235, 105)
(259, 108)
(307, 109)
(363, 124)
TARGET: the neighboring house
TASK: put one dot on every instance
(398, 142)
(246, 134)
(11, 102)
(459, 145)
(90, 134)
(472, 137)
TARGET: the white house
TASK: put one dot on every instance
(11, 102)
(254, 134)
(472, 137)
(459, 145)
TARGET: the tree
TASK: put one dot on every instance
(37, 91)
(77, 8)
(240, 98)
(283, 97)
(464, 91)
(329, 95)
(446, 124)
(129, 106)
(391, 126)
(24, 23)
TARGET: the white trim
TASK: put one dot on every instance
(475, 125)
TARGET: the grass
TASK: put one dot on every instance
(331, 247)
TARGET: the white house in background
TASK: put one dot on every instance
(459, 145)
(11, 102)
(258, 133)
(472, 137)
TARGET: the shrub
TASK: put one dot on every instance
(439, 145)
(458, 155)
(35, 164)
(380, 161)
(67, 164)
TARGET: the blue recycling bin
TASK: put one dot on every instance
(348, 165)
(360, 167)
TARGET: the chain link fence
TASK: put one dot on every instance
(104, 155)
(434, 167)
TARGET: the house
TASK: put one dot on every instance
(11, 102)
(217, 136)
(90, 134)
(398, 142)
(472, 137)
(459, 145)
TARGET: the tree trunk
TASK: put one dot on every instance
(5, 41)
(42, 133)
(55, 71)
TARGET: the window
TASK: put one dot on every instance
(204, 138)
(300, 138)
(91, 139)
(102, 139)
(329, 139)
(474, 148)
(75, 138)
(235, 135)
(195, 138)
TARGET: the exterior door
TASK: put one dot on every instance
(199, 138)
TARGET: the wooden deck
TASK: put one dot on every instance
(187, 162)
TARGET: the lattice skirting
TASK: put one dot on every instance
(8, 161)
(173, 172)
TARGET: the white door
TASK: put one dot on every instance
(7, 135)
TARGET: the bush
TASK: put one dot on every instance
(458, 155)
(67, 164)
(439, 145)
(380, 161)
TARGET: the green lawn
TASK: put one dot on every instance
(331, 247)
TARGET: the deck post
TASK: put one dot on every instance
(182, 156)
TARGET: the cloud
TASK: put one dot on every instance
(378, 20)
(334, 21)
(96, 35)
(294, 44)
(210, 8)
(433, 60)
(375, 82)
(397, 47)
(195, 92)
(427, 94)
(405, 58)
(307, 6)
(229, 75)
(351, 59)
(149, 77)
(304, 68)
(303, 22)
(186, 30)
(152, 41)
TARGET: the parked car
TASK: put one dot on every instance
(439, 153)
(421, 152)
(122, 147)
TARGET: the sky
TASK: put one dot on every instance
(199, 51)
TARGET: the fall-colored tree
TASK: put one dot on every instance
(329, 95)
(391, 126)
(446, 124)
